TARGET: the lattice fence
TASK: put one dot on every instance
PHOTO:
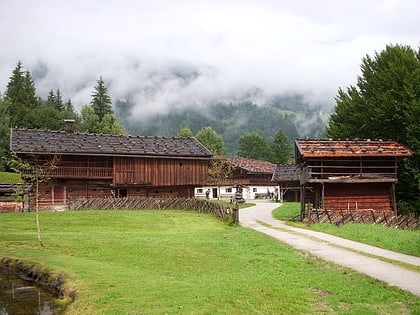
(365, 216)
(132, 203)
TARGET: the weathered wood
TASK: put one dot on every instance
(366, 216)
(136, 203)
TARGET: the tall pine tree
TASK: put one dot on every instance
(281, 150)
(20, 98)
(101, 101)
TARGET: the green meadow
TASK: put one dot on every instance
(398, 240)
(184, 262)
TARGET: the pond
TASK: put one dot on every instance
(22, 297)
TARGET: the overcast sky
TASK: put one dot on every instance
(228, 46)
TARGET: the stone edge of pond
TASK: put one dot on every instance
(52, 283)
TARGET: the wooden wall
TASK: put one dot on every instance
(159, 171)
(146, 177)
(59, 192)
(376, 196)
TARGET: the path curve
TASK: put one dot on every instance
(357, 256)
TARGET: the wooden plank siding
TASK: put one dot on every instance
(346, 170)
(358, 197)
(159, 171)
(349, 175)
(99, 165)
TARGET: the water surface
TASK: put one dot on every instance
(19, 297)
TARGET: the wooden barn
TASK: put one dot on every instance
(97, 165)
(287, 179)
(349, 175)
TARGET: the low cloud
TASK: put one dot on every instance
(163, 54)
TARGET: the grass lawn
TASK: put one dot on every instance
(183, 262)
(402, 241)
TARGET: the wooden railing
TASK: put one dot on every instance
(349, 173)
(77, 172)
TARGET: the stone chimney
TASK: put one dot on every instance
(69, 125)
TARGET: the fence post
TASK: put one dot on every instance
(235, 213)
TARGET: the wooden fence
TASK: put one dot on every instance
(408, 222)
(138, 203)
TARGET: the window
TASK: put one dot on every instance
(228, 190)
(254, 189)
(199, 190)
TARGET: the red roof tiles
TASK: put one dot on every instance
(350, 148)
(251, 165)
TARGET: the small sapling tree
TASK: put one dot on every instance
(219, 171)
(35, 170)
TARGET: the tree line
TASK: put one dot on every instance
(21, 107)
(385, 104)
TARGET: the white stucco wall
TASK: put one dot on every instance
(249, 192)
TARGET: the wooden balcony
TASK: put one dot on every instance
(78, 172)
(348, 174)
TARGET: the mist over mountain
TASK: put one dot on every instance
(230, 115)
(160, 99)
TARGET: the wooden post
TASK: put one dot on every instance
(302, 202)
(235, 213)
(310, 214)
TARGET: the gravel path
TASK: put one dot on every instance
(358, 256)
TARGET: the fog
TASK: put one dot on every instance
(165, 54)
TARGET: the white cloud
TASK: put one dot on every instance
(279, 46)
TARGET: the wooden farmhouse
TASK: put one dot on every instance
(254, 176)
(287, 179)
(349, 175)
(97, 165)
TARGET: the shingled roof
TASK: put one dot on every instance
(350, 148)
(36, 141)
(286, 173)
(251, 165)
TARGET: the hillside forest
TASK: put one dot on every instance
(230, 128)
(383, 104)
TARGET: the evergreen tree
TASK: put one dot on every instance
(385, 104)
(21, 99)
(15, 85)
(55, 100)
(101, 101)
(211, 140)
(281, 150)
(4, 134)
(70, 113)
(59, 101)
(254, 146)
(29, 91)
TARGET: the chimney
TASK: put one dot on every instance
(69, 125)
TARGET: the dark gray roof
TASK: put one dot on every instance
(286, 173)
(60, 142)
